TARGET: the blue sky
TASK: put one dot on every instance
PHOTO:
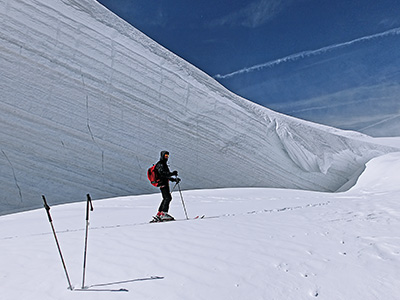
(331, 62)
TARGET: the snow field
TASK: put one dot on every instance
(254, 243)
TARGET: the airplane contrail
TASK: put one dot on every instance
(293, 57)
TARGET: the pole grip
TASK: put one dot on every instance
(47, 207)
(90, 201)
(88, 204)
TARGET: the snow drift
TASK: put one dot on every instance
(88, 102)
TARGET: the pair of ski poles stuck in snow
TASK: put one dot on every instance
(88, 205)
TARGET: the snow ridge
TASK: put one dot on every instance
(88, 102)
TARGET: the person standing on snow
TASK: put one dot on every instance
(165, 175)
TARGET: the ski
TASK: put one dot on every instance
(100, 290)
(199, 217)
(158, 220)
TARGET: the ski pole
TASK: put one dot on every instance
(47, 207)
(88, 203)
(174, 187)
(183, 203)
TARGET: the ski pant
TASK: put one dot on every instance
(166, 195)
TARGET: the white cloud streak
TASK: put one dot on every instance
(305, 54)
(254, 14)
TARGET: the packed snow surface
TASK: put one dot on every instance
(254, 243)
(88, 102)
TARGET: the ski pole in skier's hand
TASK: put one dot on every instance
(176, 182)
(183, 202)
(175, 179)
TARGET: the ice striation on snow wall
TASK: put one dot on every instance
(88, 102)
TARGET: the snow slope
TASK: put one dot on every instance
(256, 243)
(88, 102)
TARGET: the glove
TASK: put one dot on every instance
(177, 180)
(175, 173)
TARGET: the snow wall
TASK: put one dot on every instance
(88, 102)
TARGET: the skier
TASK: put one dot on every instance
(165, 175)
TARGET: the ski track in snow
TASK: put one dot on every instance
(275, 210)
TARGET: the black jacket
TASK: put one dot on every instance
(163, 170)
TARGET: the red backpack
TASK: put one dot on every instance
(152, 175)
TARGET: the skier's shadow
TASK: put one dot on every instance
(97, 287)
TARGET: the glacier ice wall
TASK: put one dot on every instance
(88, 102)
